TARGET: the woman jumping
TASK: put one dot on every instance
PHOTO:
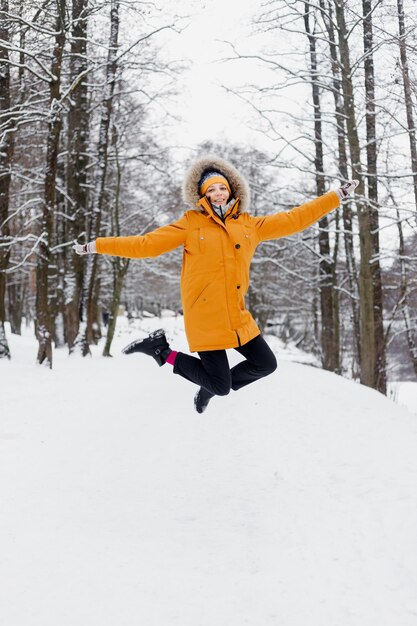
(219, 238)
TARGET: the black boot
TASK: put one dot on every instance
(155, 345)
(201, 399)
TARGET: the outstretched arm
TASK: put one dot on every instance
(152, 244)
(301, 217)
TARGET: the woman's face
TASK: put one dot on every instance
(218, 194)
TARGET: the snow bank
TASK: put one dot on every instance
(289, 503)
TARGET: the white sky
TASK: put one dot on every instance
(207, 110)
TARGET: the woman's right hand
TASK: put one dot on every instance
(347, 189)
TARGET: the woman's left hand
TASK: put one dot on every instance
(347, 189)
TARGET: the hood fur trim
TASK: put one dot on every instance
(239, 185)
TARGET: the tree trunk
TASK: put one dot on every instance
(347, 213)
(120, 266)
(86, 327)
(43, 322)
(380, 375)
(404, 300)
(330, 340)
(407, 94)
(403, 303)
(16, 297)
(57, 264)
(6, 150)
(77, 167)
(368, 359)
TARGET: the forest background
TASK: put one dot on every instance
(103, 105)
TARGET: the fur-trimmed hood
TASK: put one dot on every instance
(238, 184)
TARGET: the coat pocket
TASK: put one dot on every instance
(200, 296)
(196, 242)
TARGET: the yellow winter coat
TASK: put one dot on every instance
(217, 256)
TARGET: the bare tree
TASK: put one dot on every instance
(6, 149)
(404, 294)
(119, 265)
(371, 341)
(380, 375)
(85, 332)
(347, 212)
(43, 321)
(408, 99)
(77, 165)
(330, 339)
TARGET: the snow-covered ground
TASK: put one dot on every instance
(405, 394)
(290, 503)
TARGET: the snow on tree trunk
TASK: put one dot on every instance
(6, 150)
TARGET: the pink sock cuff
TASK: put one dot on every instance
(171, 357)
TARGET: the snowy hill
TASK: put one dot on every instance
(289, 503)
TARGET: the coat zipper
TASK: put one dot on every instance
(221, 223)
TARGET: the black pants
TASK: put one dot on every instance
(212, 371)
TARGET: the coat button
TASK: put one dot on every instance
(237, 246)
